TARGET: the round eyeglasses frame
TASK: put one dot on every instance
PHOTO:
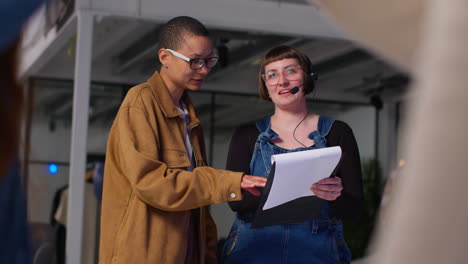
(286, 74)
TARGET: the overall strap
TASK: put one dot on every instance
(263, 151)
(324, 125)
(323, 128)
(263, 124)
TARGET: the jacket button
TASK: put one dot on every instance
(233, 195)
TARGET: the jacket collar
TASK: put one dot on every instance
(164, 99)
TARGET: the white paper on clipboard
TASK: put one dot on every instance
(297, 171)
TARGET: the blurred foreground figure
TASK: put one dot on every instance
(427, 216)
(14, 234)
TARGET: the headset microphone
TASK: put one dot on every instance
(294, 90)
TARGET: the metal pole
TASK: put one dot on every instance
(78, 137)
(27, 136)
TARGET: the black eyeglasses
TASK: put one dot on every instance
(196, 63)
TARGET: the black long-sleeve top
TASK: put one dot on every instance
(347, 207)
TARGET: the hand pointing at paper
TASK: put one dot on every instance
(249, 183)
(328, 189)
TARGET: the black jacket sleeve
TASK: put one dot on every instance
(350, 204)
(240, 153)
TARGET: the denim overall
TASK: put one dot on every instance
(316, 241)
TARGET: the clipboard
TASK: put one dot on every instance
(296, 171)
(298, 210)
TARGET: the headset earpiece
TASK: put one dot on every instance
(313, 76)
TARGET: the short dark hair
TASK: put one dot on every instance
(286, 52)
(171, 35)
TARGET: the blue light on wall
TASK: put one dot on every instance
(53, 168)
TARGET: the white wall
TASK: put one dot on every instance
(222, 214)
(54, 146)
(47, 145)
(362, 122)
(388, 138)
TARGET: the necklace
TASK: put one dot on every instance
(294, 132)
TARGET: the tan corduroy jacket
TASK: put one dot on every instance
(148, 193)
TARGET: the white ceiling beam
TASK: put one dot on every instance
(277, 17)
(247, 15)
(35, 57)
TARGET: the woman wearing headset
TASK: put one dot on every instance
(285, 79)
